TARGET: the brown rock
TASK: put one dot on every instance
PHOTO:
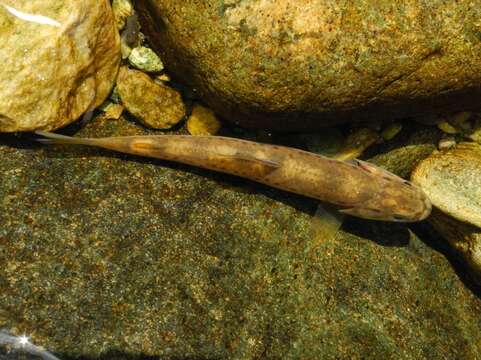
(463, 238)
(452, 180)
(154, 105)
(289, 64)
(59, 60)
(202, 121)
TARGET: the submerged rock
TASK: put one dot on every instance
(464, 238)
(145, 59)
(122, 10)
(452, 180)
(112, 256)
(303, 64)
(202, 121)
(154, 105)
(59, 60)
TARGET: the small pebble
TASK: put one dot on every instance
(391, 131)
(328, 142)
(112, 111)
(145, 59)
(114, 95)
(162, 78)
(447, 143)
(447, 128)
(202, 121)
(460, 120)
(154, 105)
(356, 143)
(475, 133)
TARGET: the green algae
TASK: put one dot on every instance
(268, 64)
(106, 253)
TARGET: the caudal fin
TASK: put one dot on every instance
(52, 138)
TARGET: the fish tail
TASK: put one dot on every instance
(52, 138)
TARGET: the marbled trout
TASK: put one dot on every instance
(357, 188)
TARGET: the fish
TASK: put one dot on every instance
(354, 187)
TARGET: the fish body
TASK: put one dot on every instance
(357, 188)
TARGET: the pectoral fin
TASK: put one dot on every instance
(349, 211)
(326, 222)
(259, 167)
(324, 227)
(257, 161)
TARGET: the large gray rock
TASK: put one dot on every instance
(59, 60)
(113, 255)
(290, 64)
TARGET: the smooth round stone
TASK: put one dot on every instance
(154, 105)
(287, 64)
(59, 60)
(452, 180)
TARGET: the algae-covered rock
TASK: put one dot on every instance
(113, 256)
(290, 64)
(202, 121)
(145, 59)
(154, 105)
(464, 238)
(452, 180)
(59, 60)
(122, 10)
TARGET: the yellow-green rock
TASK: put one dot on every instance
(145, 59)
(154, 105)
(452, 181)
(122, 10)
(202, 121)
(292, 64)
(59, 60)
(108, 256)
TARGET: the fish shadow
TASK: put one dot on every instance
(388, 234)
(397, 235)
(27, 141)
(429, 236)
(383, 233)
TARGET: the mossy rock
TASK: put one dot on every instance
(107, 255)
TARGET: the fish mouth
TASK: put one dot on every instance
(424, 206)
(425, 210)
(428, 207)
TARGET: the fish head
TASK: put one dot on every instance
(390, 198)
